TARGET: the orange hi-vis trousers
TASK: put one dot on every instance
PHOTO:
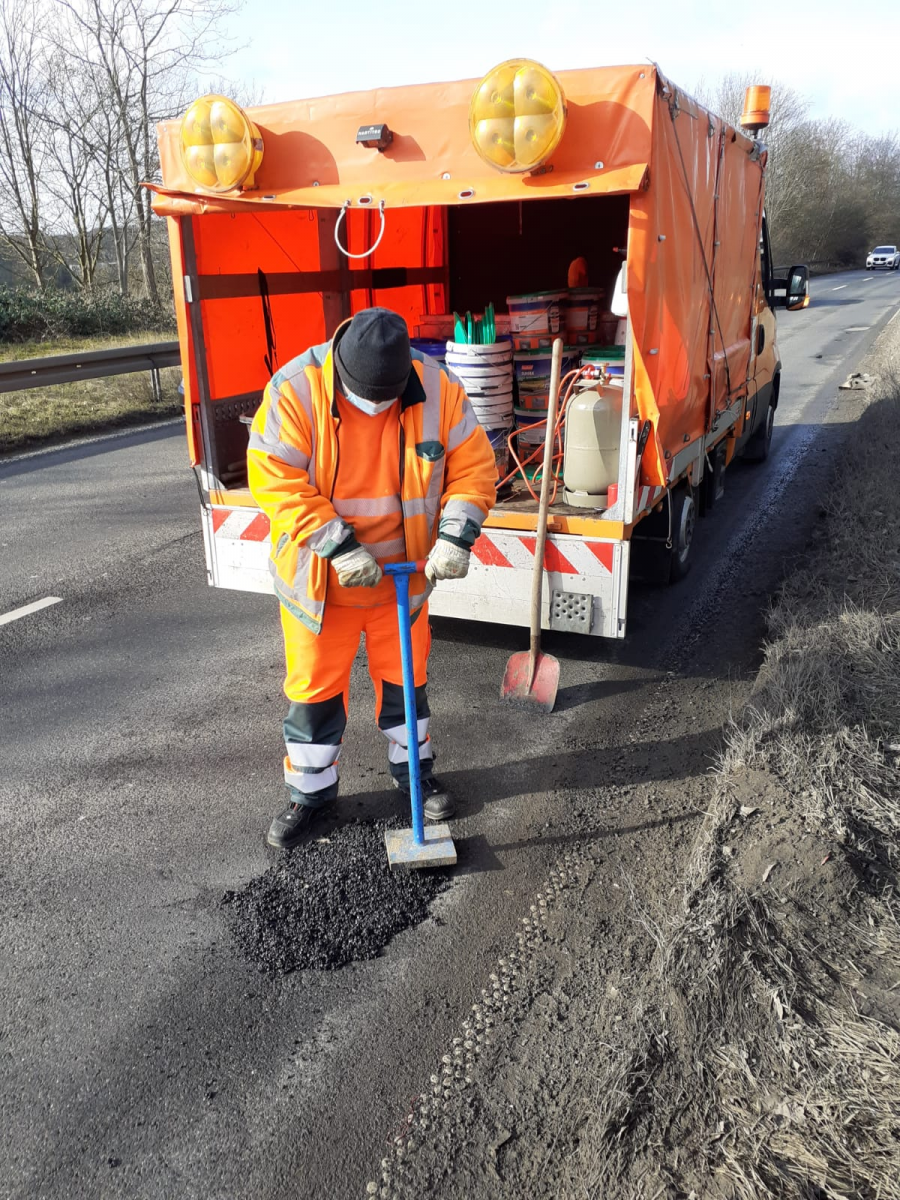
(318, 683)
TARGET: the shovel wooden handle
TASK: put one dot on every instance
(544, 506)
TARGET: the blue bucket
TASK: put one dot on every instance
(432, 348)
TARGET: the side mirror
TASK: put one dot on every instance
(790, 291)
(797, 295)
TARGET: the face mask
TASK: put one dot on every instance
(371, 407)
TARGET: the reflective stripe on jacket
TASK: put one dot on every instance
(447, 473)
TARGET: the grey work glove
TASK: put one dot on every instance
(357, 568)
(446, 561)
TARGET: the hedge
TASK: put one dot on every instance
(27, 315)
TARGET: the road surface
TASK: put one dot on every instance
(141, 749)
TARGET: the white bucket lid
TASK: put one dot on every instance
(464, 350)
(537, 297)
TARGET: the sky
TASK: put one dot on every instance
(297, 49)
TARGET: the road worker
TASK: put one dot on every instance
(363, 452)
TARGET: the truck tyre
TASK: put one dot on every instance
(757, 449)
(684, 520)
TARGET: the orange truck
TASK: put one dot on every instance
(430, 200)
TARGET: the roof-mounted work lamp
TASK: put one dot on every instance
(517, 116)
(221, 147)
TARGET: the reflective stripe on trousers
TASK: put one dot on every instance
(317, 684)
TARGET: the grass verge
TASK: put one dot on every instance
(41, 415)
(764, 1061)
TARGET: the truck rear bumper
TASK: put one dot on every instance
(585, 588)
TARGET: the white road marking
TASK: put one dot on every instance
(839, 289)
(27, 609)
(868, 279)
(894, 317)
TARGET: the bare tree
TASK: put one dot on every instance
(74, 179)
(790, 114)
(22, 146)
(147, 54)
(829, 192)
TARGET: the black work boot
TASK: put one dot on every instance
(437, 804)
(292, 824)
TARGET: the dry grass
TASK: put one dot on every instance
(765, 1062)
(46, 414)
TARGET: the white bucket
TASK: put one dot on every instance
(486, 373)
(537, 312)
(583, 310)
(621, 330)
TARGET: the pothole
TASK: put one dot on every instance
(331, 901)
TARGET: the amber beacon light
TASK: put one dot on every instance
(220, 146)
(755, 116)
(517, 116)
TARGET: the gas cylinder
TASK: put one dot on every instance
(592, 440)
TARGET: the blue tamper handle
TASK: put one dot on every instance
(400, 572)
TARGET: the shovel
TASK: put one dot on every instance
(418, 846)
(532, 678)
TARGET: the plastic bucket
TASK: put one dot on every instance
(582, 312)
(535, 364)
(530, 436)
(621, 331)
(527, 433)
(486, 373)
(533, 341)
(463, 352)
(537, 312)
(500, 446)
(582, 337)
(610, 363)
(434, 349)
(536, 401)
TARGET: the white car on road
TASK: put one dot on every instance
(887, 257)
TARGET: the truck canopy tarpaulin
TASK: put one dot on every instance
(691, 256)
(692, 274)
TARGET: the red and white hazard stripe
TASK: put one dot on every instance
(646, 498)
(566, 555)
(507, 550)
(243, 524)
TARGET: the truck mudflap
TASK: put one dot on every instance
(585, 588)
(585, 583)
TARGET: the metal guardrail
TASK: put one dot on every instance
(94, 364)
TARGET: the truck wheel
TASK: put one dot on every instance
(757, 449)
(684, 520)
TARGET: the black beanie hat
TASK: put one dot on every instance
(372, 355)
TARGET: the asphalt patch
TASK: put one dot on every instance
(329, 902)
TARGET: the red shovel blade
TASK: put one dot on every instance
(533, 688)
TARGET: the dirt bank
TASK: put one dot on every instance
(728, 1028)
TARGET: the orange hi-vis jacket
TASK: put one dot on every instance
(447, 473)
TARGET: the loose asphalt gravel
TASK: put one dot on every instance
(331, 901)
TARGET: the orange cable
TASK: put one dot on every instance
(572, 377)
